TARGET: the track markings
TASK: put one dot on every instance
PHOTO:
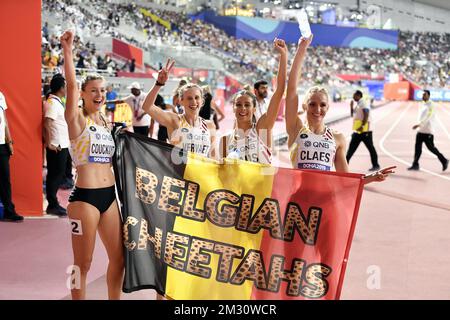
(389, 131)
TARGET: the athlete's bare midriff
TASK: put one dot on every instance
(95, 175)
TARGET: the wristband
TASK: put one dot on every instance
(159, 83)
(10, 142)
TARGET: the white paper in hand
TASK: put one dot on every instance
(303, 23)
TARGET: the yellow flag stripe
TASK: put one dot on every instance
(240, 177)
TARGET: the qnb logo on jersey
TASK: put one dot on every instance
(317, 144)
(303, 136)
(184, 130)
(197, 137)
(324, 145)
(92, 128)
(247, 147)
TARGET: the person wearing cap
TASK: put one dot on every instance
(6, 151)
(140, 120)
(56, 139)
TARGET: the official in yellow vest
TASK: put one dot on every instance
(361, 129)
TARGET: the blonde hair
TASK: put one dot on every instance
(90, 77)
(182, 90)
(314, 90)
(86, 79)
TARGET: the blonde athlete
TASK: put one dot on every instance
(93, 203)
(251, 141)
(188, 130)
(313, 145)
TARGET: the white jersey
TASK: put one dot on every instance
(261, 108)
(196, 139)
(251, 148)
(427, 117)
(313, 151)
(59, 131)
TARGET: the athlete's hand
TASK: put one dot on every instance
(53, 147)
(379, 175)
(304, 43)
(163, 74)
(67, 40)
(280, 46)
(415, 127)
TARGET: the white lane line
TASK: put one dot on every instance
(442, 125)
(444, 108)
(381, 144)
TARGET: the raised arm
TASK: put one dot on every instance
(72, 114)
(267, 121)
(167, 119)
(293, 122)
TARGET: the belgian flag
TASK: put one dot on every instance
(197, 229)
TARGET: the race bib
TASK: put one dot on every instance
(101, 148)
